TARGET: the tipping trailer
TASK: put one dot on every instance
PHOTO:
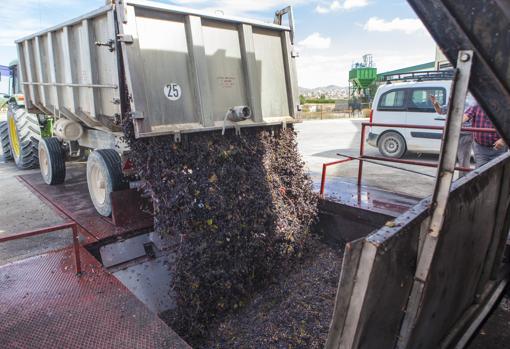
(169, 69)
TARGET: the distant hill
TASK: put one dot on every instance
(331, 91)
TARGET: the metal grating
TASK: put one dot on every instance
(45, 305)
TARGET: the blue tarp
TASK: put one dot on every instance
(4, 72)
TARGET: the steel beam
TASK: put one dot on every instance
(446, 170)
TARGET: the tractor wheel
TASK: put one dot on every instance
(23, 129)
(52, 161)
(104, 176)
(4, 141)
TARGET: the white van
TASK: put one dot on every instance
(407, 103)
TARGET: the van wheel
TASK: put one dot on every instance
(392, 145)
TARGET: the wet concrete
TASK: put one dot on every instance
(320, 141)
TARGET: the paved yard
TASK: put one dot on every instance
(321, 140)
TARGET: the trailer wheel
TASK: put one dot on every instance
(52, 161)
(23, 128)
(104, 176)
(392, 145)
(4, 141)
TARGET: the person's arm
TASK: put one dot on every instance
(436, 105)
(469, 114)
(500, 144)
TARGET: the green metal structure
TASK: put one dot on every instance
(362, 77)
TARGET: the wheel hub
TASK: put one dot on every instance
(392, 145)
(15, 146)
(98, 184)
(44, 162)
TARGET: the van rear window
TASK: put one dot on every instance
(393, 99)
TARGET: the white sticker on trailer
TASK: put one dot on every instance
(173, 91)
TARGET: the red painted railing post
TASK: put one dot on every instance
(323, 180)
(76, 244)
(361, 153)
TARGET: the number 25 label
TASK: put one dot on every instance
(173, 91)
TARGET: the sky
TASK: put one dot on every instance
(330, 35)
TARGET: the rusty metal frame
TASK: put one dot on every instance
(76, 243)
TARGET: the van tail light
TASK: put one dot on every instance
(371, 115)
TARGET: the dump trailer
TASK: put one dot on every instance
(169, 69)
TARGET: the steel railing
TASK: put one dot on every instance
(363, 157)
(72, 225)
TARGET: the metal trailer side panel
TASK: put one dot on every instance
(460, 282)
(225, 72)
(186, 79)
(66, 74)
(462, 255)
(184, 69)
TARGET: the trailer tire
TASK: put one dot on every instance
(4, 141)
(52, 161)
(104, 176)
(23, 129)
(391, 144)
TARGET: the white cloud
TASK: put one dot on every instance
(406, 25)
(348, 4)
(322, 70)
(337, 5)
(315, 41)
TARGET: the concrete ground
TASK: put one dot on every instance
(21, 210)
(321, 140)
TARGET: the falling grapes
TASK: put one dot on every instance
(239, 207)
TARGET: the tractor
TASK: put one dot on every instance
(21, 132)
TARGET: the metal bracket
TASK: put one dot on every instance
(110, 44)
(136, 115)
(278, 19)
(237, 129)
(284, 125)
(121, 12)
(117, 119)
(177, 137)
(74, 149)
(125, 38)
